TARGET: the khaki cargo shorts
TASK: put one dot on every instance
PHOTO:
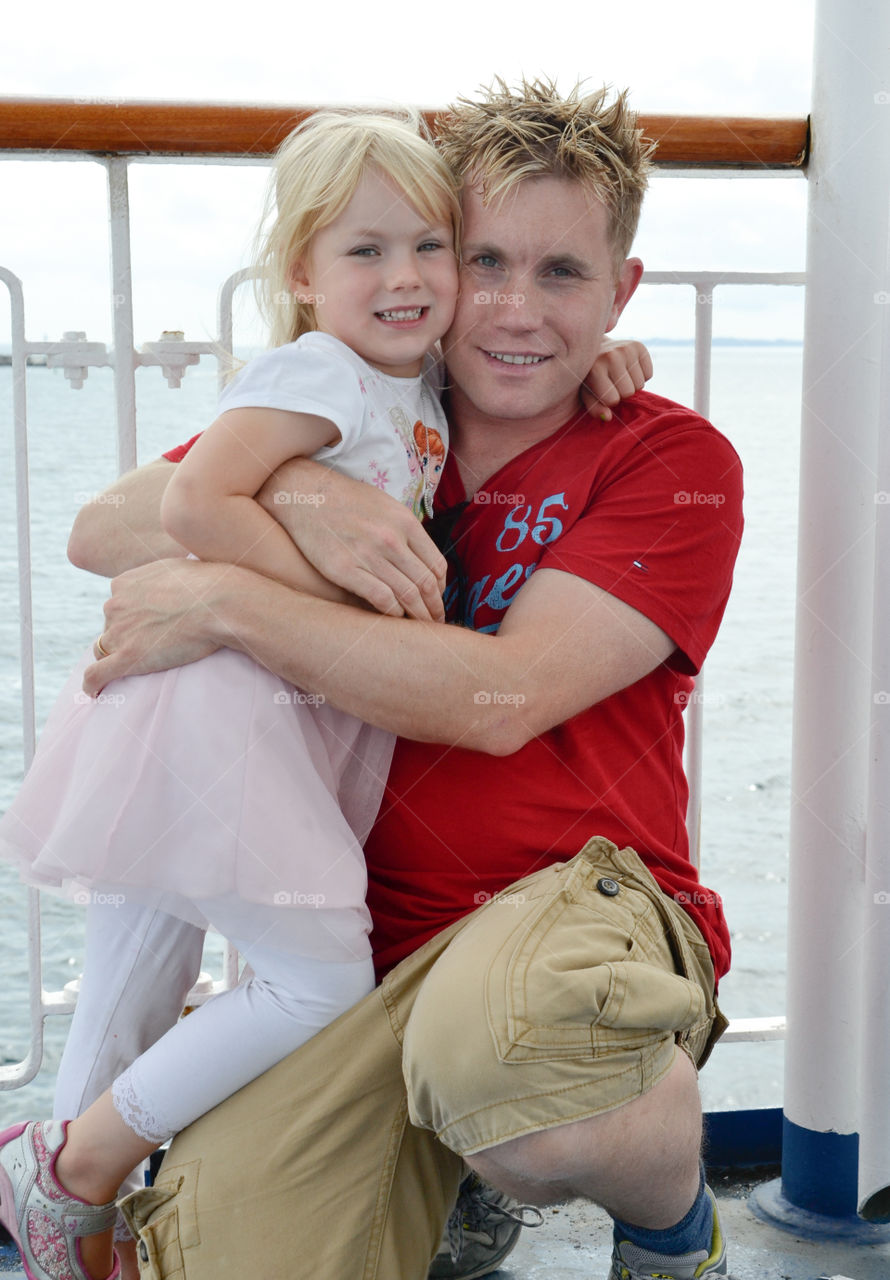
(563, 997)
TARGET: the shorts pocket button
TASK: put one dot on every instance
(609, 887)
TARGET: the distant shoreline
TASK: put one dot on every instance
(39, 361)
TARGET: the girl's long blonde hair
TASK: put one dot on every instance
(316, 172)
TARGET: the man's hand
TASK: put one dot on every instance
(360, 538)
(158, 616)
(621, 369)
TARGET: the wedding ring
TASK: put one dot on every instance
(100, 649)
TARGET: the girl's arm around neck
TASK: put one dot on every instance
(209, 504)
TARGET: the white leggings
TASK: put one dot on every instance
(140, 964)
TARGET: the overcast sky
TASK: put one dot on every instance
(191, 225)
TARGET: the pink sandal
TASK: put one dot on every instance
(42, 1218)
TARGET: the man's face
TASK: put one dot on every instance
(538, 291)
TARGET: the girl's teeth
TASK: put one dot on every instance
(414, 314)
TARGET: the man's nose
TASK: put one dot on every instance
(517, 306)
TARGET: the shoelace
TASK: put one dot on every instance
(472, 1210)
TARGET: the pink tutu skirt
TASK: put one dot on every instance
(207, 780)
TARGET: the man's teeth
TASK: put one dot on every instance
(508, 359)
(406, 313)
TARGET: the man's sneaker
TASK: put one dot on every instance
(630, 1262)
(483, 1228)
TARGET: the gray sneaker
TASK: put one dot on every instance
(630, 1262)
(483, 1228)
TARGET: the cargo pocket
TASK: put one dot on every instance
(588, 978)
(154, 1221)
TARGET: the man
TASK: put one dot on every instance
(546, 1039)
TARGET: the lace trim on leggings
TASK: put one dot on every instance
(125, 1096)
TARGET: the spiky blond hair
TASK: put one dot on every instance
(316, 172)
(507, 135)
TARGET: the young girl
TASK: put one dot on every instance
(216, 793)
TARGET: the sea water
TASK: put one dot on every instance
(755, 401)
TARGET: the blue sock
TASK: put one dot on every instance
(695, 1231)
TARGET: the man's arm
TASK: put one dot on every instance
(122, 527)
(563, 645)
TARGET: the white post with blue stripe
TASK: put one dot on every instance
(837, 1070)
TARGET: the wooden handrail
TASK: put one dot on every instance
(108, 126)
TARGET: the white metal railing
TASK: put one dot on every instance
(173, 354)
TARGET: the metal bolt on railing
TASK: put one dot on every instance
(173, 354)
(74, 356)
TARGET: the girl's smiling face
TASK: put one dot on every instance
(381, 278)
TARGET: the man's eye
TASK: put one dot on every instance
(484, 260)
(561, 273)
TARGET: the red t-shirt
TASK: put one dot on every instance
(647, 507)
(650, 511)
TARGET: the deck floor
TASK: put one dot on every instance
(574, 1243)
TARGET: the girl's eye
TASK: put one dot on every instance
(429, 246)
(364, 251)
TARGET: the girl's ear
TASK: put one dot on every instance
(298, 275)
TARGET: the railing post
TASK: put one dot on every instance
(831, 993)
(122, 312)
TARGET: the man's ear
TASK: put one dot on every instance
(625, 287)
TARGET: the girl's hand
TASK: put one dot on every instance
(358, 537)
(621, 369)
